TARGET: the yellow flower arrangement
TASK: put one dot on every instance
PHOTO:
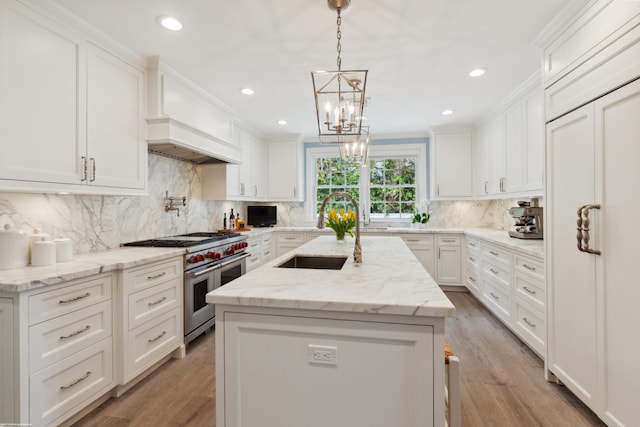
(340, 222)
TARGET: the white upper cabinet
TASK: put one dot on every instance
(481, 152)
(285, 169)
(508, 152)
(71, 114)
(451, 164)
(244, 181)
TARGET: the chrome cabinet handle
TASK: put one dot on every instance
(158, 337)
(494, 253)
(155, 276)
(73, 334)
(485, 187)
(494, 296)
(156, 302)
(529, 290)
(472, 259)
(82, 378)
(494, 271)
(472, 244)
(64, 301)
(525, 320)
(472, 279)
(448, 240)
(529, 268)
(583, 223)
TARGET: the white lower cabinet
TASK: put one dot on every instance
(7, 402)
(511, 285)
(288, 240)
(69, 338)
(65, 346)
(261, 250)
(423, 247)
(449, 261)
(265, 363)
(151, 322)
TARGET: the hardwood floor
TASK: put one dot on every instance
(502, 383)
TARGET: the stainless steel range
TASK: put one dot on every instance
(211, 260)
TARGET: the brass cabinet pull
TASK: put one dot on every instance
(529, 290)
(64, 301)
(82, 378)
(583, 235)
(158, 337)
(73, 334)
(155, 276)
(151, 304)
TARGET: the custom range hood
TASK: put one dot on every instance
(185, 122)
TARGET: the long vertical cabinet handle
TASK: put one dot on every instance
(583, 236)
(84, 168)
(93, 169)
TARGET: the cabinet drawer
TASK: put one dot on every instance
(254, 244)
(52, 341)
(57, 302)
(150, 275)
(473, 281)
(254, 260)
(266, 239)
(531, 327)
(151, 342)
(149, 303)
(449, 240)
(530, 266)
(71, 383)
(418, 241)
(473, 244)
(474, 259)
(531, 291)
(290, 238)
(497, 300)
(497, 255)
(498, 273)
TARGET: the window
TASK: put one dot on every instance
(388, 189)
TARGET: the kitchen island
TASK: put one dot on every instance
(358, 346)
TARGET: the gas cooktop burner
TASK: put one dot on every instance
(183, 240)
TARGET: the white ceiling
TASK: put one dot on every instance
(418, 53)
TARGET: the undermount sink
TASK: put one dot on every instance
(315, 262)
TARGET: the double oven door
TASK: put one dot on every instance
(198, 315)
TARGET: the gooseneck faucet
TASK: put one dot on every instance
(357, 250)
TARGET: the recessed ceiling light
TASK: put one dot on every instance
(247, 91)
(477, 72)
(447, 112)
(282, 122)
(170, 23)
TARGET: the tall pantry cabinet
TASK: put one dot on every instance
(592, 198)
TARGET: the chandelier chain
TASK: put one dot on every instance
(339, 35)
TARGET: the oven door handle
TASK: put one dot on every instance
(202, 272)
(238, 258)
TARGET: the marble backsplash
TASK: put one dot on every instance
(97, 223)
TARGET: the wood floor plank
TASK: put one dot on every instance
(502, 383)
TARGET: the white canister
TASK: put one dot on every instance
(43, 252)
(64, 249)
(14, 248)
(36, 237)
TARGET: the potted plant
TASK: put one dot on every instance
(420, 219)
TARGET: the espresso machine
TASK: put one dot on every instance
(528, 221)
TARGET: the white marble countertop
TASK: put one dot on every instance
(84, 265)
(530, 247)
(390, 280)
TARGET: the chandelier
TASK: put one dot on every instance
(339, 97)
(357, 151)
